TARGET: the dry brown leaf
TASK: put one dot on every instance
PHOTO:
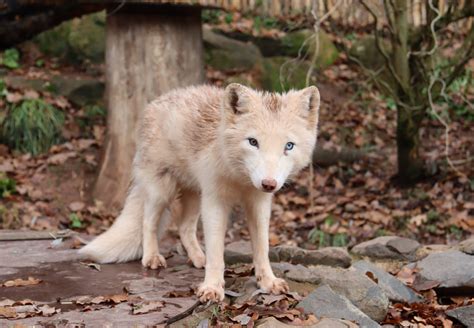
(61, 158)
(147, 307)
(7, 312)
(77, 206)
(21, 282)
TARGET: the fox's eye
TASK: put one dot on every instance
(289, 146)
(253, 142)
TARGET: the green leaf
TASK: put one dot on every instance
(11, 58)
(76, 221)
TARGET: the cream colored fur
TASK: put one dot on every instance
(195, 157)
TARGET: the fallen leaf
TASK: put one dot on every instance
(21, 282)
(7, 312)
(61, 158)
(147, 307)
(269, 299)
(243, 319)
(91, 265)
(77, 206)
(372, 277)
(179, 293)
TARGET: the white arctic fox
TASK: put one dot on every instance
(210, 149)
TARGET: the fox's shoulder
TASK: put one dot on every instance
(192, 97)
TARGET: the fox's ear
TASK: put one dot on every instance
(237, 98)
(310, 104)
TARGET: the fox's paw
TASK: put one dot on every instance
(153, 261)
(208, 292)
(275, 286)
(198, 258)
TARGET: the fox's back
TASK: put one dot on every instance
(177, 127)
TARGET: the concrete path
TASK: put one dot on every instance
(65, 280)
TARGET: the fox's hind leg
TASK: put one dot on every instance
(158, 195)
(187, 226)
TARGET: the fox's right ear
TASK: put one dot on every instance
(237, 98)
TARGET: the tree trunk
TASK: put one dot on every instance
(147, 54)
(410, 165)
(408, 119)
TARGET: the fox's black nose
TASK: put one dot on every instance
(269, 184)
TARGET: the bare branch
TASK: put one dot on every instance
(382, 51)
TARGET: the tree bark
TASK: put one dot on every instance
(147, 54)
(410, 166)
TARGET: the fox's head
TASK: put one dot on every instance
(268, 137)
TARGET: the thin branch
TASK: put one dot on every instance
(382, 51)
(439, 15)
(435, 79)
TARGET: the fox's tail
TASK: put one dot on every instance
(123, 241)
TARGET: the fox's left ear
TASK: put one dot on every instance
(310, 104)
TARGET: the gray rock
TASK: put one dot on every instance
(357, 287)
(467, 246)
(332, 256)
(227, 54)
(464, 314)
(241, 252)
(452, 269)
(388, 247)
(272, 322)
(324, 302)
(393, 288)
(238, 252)
(80, 91)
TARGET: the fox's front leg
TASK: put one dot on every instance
(214, 218)
(258, 211)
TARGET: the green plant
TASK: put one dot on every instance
(318, 237)
(39, 63)
(456, 231)
(75, 220)
(31, 126)
(210, 16)
(3, 88)
(229, 18)
(7, 186)
(10, 58)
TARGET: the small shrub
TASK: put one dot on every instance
(10, 58)
(75, 221)
(7, 186)
(32, 126)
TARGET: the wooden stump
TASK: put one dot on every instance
(147, 54)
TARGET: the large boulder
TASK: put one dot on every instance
(393, 288)
(226, 54)
(305, 42)
(283, 73)
(453, 270)
(357, 287)
(467, 246)
(76, 40)
(388, 247)
(80, 91)
(325, 302)
(464, 314)
(87, 37)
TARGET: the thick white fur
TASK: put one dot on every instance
(194, 157)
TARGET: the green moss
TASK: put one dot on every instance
(303, 42)
(76, 40)
(293, 74)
